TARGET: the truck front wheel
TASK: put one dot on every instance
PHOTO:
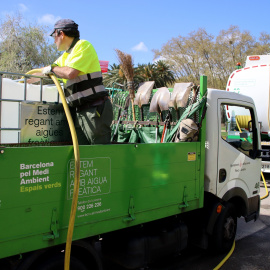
(225, 229)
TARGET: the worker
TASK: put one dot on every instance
(85, 93)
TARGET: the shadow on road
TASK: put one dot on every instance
(252, 249)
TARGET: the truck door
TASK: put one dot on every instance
(238, 134)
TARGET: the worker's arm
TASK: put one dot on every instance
(61, 72)
(65, 72)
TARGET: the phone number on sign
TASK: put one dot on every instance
(82, 208)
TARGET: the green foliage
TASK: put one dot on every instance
(159, 72)
(24, 46)
(200, 53)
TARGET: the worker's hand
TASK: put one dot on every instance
(47, 70)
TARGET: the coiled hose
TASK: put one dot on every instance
(242, 121)
(77, 168)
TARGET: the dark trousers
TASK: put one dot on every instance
(93, 125)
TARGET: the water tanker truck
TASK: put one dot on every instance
(144, 196)
(253, 80)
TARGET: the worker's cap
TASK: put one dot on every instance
(65, 24)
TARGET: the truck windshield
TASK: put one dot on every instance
(236, 127)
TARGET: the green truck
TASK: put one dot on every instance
(137, 201)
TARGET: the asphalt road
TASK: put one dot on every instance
(252, 248)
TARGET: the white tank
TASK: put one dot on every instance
(12, 92)
(253, 80)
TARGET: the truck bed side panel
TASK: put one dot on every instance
(120, 186)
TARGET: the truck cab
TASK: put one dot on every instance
(232, 172)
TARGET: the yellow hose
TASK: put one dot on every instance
(266, 189)
(242, 121)
(77, 168)
(226, 258)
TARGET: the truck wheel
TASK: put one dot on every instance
(57, 262)
(225, 229)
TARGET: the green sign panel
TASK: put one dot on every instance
(95, 177)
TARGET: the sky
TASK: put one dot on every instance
(138, 27)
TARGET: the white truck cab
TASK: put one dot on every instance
(231, 166)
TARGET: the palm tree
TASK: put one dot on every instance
(165, 74)
(147, 71)
(114, 75)
(159, 72)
